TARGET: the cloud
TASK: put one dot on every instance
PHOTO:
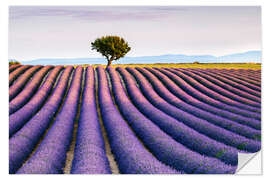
(96, 13)
(57, 31)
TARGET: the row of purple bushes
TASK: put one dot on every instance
(29, 90)
(158, 120)
(22, 143)
(183, 95)
(17, 72)
(89, 156)
(193, 91)
(131, 156)
(200, 125)
(227, 87)
(212, 118)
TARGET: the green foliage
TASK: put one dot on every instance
(12, 62)
(112, 47)
(196, 62)
(220, 153)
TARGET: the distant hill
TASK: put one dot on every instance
(246, 57)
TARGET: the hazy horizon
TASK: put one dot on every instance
(246, 57)
(137, 56)
(66, 32)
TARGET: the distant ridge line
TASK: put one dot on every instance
(246, 57)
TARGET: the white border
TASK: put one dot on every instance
(4, 76)
(252, 165)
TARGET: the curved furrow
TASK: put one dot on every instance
(255, 76)
(26, 94)
(179, 131)
(90, 156)
(148, 120)
(19, 84)
(248, 76)
(248, 70)
(254, 73)
(212, 118)
(221, 90)
(232, 83)
(20, 117)
(247, 80)
(50, 155)
(22, 143)
(241, 76)
(244, 83)
(228, 87)
(130, 154)
(202, 126)
(13, 67)
(214, 95)
(182, 95)
(202, 97)
(245, 75)
(162, 145)
(256, 80)
(16, 73)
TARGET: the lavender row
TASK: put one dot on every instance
(50, 156)
(22, 81)
(130, 154)
(13, 67)
(246, 74)
(20, 117)
(240, 76)
(251, 86)
(16, 73)
(206, 99)
(202, 126)
(212, 118)
(247, 80)
(222, 91)
(230, 82)
(24, 141)
(214, 95)
(29, 90)
(178, 130)
(228, 87)
(243, 73)
(165, 148)
(182, 95)
(89, 156)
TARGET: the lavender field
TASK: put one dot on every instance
(131, 120)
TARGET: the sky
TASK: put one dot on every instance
(67, 31)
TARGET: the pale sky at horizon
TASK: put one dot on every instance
(66, 31)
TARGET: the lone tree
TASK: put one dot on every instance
(112, 47)
(13, 61)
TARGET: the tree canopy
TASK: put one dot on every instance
(12, 62)
(111, 47)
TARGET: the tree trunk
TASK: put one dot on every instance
(109, 63)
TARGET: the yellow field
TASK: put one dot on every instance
(192, 65)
